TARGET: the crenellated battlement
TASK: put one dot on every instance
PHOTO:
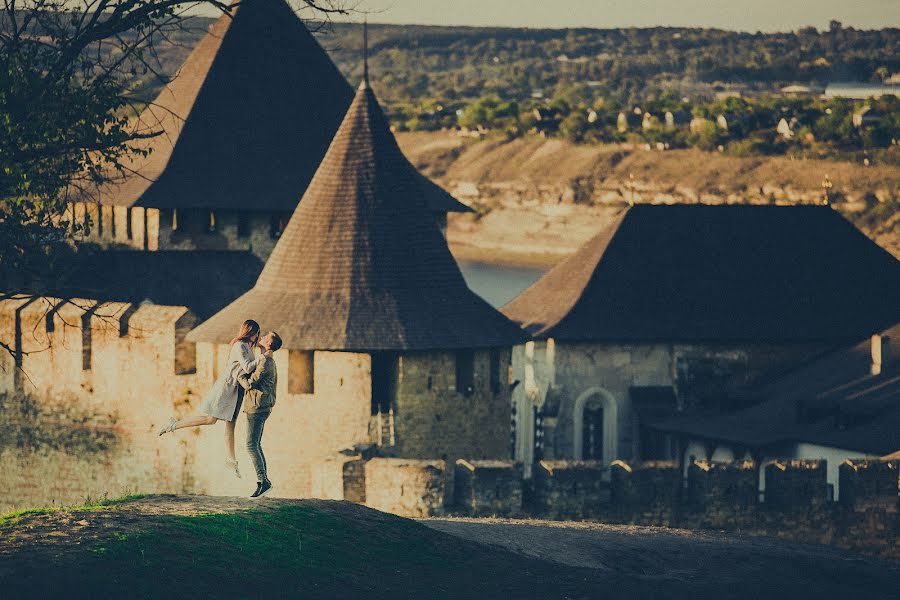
(713, 495)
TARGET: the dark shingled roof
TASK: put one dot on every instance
(361, 265)
(833, 401)
(203, 281)
(245, 122)
(717, 273)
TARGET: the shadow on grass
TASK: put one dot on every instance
(286, 551)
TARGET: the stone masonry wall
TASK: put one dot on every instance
(87, 386)
(719, 491)
(568, 489)
(408, 487)
(796, 485)
(648, 491)
(79, 418)
(432, 419)
(109, 225)
(151, 229)
(796, 508)
(867, 484)
(558, 377)
(193, 232)
(303, 430)
(488, 487)
(721, 496)
(80, 399)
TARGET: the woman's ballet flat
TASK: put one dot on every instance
(170, 426)
(233, 464)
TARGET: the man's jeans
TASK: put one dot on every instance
(255, 424)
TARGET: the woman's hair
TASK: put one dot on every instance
(248, 331)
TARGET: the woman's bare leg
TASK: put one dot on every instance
(229, 439)
(196, 422)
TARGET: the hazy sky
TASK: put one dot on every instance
(748, 15)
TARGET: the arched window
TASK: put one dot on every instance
(592, 432)
(595, 418)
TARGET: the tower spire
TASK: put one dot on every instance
(365, 81)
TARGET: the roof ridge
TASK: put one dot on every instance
(596, 246)
(211, 38)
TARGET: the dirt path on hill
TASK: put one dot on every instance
(703, 561)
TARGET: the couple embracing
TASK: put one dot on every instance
(249, 381)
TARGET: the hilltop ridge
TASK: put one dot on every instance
(201, 546)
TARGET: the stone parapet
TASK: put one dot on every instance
(488, 487)
(867, 484)
(569, 488)
(796, 484)
(648, 491)
(407, 487)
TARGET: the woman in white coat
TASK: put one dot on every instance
(223, 401)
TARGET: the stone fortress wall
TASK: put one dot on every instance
(719, 496)
(185, 229)
(154, 229)
(85, 387)
(122, 226)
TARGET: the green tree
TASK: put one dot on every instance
(575, 125)
(491, 113)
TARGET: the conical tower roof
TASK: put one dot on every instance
(245, 122)
(361, 265)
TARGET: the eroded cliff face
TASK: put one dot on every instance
(537, 200)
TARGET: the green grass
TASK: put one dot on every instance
(90, 504)
(104, 502)
(15, 516)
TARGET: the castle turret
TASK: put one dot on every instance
(362, 268)
(242, 128)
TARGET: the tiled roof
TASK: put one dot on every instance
(717, 273)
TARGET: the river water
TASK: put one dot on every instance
(498, 284)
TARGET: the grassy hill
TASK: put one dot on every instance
(196, 547)
(208, 547)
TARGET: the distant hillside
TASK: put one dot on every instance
(412, 63)
(415, 62)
